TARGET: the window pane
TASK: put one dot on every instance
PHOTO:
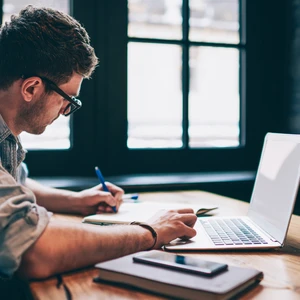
(214, 106)
(11, 7)
(57, 135)
(214, 21)
(154, 96)
(155, 19)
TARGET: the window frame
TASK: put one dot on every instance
(133, 161)
(100, 127)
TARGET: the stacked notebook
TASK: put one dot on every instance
(176, 284)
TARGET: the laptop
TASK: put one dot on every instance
(271, 206)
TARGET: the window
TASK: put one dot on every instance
(184, 65)
(182, 86)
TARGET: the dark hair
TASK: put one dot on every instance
(44, 42)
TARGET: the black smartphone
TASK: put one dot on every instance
(180, 262)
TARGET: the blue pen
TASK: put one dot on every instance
(101, 178)
(130, 198)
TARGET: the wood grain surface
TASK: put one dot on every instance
(281, 267)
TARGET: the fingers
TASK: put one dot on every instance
(95, 200)
(115, 190)
(188, 219)
(184, 211)
(103, 207)
(190, 232)
(173, 224)
(116, 196)
(107, 200)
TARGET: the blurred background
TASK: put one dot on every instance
(182, 98)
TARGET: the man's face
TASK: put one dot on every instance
(38, 114)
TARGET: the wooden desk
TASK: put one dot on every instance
(281, 267)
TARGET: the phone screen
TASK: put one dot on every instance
(181, 263)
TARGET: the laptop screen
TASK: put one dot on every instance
(276, 184)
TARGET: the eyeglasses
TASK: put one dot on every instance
(74, 104)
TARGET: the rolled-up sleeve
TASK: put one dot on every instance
(22, 221)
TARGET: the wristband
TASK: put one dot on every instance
(150, 228)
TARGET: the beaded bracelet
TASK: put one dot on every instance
(150, 228)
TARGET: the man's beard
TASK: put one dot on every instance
(31, 116)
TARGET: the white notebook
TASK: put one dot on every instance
(141, 212)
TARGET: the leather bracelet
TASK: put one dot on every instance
(150, 228)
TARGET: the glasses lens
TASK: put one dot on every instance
(68, 109)
(71, 107)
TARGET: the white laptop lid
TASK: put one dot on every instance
(276, 184)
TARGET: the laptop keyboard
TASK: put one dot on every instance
(231, 232)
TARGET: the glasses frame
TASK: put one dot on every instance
(74, 104)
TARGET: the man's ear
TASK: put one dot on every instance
(31, 87)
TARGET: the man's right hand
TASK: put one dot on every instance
(173, 224)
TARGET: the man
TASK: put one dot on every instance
(44, 56)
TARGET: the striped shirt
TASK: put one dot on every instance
(22, 221)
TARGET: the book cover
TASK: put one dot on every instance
(177, 284)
